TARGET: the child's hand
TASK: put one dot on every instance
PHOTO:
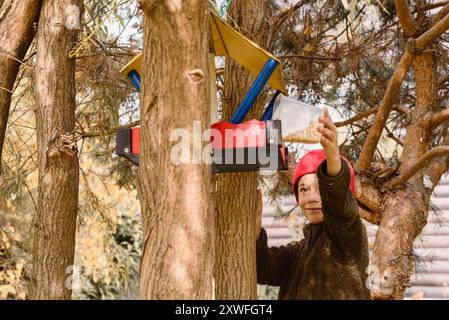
(329, 141)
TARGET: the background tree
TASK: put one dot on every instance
(55, 222)
(108, 238)
(177, 200)
(17, 29)
(236, 192)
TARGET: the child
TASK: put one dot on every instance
(331, 261)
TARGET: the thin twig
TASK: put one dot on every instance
(110, 131)
(308, 57)
(357, 117)
(15, 59)
(7, 90)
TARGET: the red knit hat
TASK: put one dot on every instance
(309, 164)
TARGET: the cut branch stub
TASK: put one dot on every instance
(63, 144)
(368, 198)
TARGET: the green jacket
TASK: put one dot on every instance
(332, 259)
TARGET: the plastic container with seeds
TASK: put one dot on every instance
(299, 120)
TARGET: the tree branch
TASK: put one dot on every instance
(442, 13)
(393, 137)
(367, 113)
(404, 110)
(357, 117)
(385, 108)
(435, 5)
(439, 117)
(405, 17)
(438, 29)
(420, 164)
(368, 215)
(413, 48)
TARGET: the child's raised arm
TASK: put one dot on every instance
(329, 141)
(339, 206)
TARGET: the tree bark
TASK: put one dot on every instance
(16, 34)
(235, 265)
(177, 200)
(403, 217)
(55, 222)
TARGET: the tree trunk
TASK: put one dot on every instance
(55, 223)
(405, 211)
(16, 34)
(235, 265)
(177, 199)
(403, 217)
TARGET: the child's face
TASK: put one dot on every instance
(309, 198)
